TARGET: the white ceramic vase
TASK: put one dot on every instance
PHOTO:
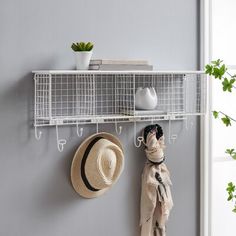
(82, 59)
(145, 98)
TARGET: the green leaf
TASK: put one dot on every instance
(225, 84)
(231, 152)
(74, 47)
(208, 69)
(228, 84)
(222, 71)
(89, 46)
(216, 69)
(216, 72)
(82, 46)
(234, 210)
(226, 120)
(217, 62)
(216, 114)
(231, 188)
(230, 197)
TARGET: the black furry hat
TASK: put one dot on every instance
(149, 128)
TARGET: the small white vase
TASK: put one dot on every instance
(82, 60)
(145, 98)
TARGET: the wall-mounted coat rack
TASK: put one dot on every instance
(93, 97)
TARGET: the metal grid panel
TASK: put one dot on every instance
(41, 99)
(91, 98)
(195, 94)
(125, 93)
(105, 95)
(72, 95)
(169, 89)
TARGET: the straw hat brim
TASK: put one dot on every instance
(76, 179)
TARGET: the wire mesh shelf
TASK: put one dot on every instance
(63, 98)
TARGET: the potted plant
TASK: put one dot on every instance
(83, 53)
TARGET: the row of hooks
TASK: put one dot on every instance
(137, 140)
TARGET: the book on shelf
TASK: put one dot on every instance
(117, 62)
(120, 67)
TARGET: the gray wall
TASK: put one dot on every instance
(36, 197)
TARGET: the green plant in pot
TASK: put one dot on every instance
(83, 53)
(218, 70)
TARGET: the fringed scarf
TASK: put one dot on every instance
(156, 199)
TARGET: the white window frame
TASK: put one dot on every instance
(205, 134)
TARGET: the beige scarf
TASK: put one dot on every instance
(156, 199)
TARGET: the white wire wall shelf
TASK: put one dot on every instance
(94, 97)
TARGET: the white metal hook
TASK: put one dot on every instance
(79, 131)
(120, 128)
(139, 138)
(60, 142)
(170, 135)
(37, 133)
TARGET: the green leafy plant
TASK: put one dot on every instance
(218, 70)
(82, 46)
(231, 152)
(231, 194)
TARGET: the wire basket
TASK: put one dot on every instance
(96, 97)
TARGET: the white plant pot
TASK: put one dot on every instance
(82, 60)
(145, 98)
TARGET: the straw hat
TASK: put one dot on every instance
(97, 165)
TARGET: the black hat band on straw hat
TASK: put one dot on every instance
(85, 156)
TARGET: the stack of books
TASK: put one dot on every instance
(118, 65)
